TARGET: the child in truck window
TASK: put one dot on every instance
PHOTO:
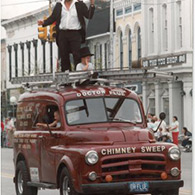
(56, 123)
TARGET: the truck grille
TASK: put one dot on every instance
(137, 166)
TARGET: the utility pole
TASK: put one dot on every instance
(111, 34)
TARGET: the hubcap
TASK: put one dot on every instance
(66, 186)
(20, 182)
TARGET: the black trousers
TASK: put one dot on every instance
(69, 41)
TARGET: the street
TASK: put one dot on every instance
(7, 173)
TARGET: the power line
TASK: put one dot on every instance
(11, 4)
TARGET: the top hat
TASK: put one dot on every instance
(84, 52)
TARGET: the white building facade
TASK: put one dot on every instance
(127, 41)
(167, 35)
(25, 54)
(160, 33)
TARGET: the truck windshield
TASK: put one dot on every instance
(99, 110)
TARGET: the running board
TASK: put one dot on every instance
(42, 185)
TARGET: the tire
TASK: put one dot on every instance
(66, 185)
(21, 178)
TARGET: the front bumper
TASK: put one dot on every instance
(123, 187)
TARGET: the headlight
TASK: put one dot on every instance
(175, 172)
(91, 157)
(174, 153)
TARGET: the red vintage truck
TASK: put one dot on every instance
(102, 145)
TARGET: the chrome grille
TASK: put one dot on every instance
(133, 166)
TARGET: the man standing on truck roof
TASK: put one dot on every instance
(69, 16)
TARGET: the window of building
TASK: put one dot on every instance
(179, 25)
(164, 28)
(139, 43)
(100, 61)
(151, 30)
(128, 10)
(109, 64)
(95, 57)
(105, 56)
(121, 50)
(130, 48)
(152, 105)
(119, 12)
(166, 108)
(137, 6)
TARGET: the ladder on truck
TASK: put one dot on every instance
(123, 76)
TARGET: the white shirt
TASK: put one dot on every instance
(163, 125)
(69, 18)
(173, 125)
(80, 66)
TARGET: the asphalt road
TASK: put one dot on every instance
(7, 173)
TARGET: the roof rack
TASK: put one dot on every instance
(67, 77)
(80, 78)
(137, 75)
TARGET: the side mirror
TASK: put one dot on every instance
(162, 116)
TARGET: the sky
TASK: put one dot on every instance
(12, 8)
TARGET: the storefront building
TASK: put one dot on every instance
(160, 34)
(167, 46)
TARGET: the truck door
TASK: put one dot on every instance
(27, 136)
(48, 141)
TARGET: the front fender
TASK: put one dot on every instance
(67, 162)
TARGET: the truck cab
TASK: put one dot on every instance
(102, 145)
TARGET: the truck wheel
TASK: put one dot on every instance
(22, 177)
(66, 186)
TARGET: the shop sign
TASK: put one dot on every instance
(170, 60)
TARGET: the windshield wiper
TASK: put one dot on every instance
(122, 120)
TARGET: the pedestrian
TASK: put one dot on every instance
(187, 135)
(2, 134)
(174, 128)
(10, 131)
(69, 16)
(149, 117)
(85, 63)
(164, 136)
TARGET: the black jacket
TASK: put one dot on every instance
(82, 12)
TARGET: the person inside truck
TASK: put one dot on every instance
(56, 123)
(85, 60)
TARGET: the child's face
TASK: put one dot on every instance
(86, 59)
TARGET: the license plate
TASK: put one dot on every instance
(139, 186)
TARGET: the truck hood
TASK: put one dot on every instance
(109, 136)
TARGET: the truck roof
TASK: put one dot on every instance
(76, 92)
